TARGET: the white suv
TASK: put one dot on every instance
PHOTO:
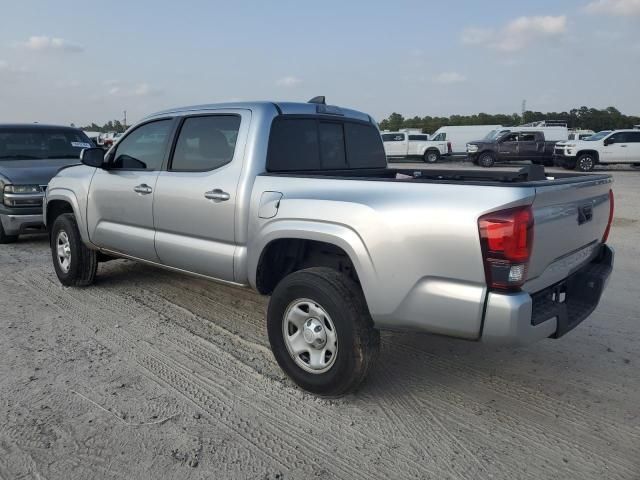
(606, 147)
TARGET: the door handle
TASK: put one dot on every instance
(217, 195)
(143, 189)
(623, 146)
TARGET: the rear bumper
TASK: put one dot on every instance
(521, 318)
(17, 224)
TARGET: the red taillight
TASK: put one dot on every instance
(605, 237)
(449, 147)
(506, 238)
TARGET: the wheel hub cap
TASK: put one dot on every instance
(63, 250)
(310, 336)
(314, 333)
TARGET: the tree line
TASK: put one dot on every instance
(111, 126)
(583, 118)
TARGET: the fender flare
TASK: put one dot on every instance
(68, 196)
(341, 236)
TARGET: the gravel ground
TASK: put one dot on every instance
(153, 375)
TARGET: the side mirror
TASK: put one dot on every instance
(92, 157)
(608, 141)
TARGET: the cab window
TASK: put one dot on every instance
(144, 148)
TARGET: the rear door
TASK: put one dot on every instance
(196, 198)
(529, 146)
(120, 204)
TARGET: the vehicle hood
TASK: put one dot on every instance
(577, 143)
(33, 172)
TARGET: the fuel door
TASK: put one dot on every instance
(269, 204)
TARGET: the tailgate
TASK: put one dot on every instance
(569, 222)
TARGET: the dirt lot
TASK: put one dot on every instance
(154, 375)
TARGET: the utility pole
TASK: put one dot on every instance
(524, 109)
(124, 123)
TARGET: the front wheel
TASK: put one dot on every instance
(486, 160)
(74, 263)
(585, 162)
(431, 156)
(320, 331)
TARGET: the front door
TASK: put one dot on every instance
(508, 147)
(196, 197)
(120, 203)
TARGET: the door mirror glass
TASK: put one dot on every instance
(92, 157)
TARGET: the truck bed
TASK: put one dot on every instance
(531, 175)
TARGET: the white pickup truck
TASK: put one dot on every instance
(606, 147)
(414, 145)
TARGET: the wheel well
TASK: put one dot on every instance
(55, 208)
(286, 255)
(432, 149)
(592, 152)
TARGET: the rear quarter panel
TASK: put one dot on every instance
(415, 246)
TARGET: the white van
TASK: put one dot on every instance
(460, 135)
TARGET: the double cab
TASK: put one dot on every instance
(512, 146)
(296, 201)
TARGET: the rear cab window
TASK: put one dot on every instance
(318, 143)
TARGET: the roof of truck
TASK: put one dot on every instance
(286, 108)
(35, 126)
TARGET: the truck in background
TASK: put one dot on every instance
(412, 144)
(459, 135)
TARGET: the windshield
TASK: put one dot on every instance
(598, 136)
(493, 134)
(34, 143)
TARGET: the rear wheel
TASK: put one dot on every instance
(431, 156)
(320, 331)
(74, 263)
(486, 160)
(586, 162)
(4, 238)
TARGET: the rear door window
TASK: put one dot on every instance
(206, 143)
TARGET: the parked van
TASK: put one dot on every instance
(458, 136)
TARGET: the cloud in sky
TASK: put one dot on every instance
(614, 7)
(43, 43)
(7, 68)
(449, 78)
(289, 81)
(516, 34)
(116, 88)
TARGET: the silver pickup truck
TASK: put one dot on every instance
(296, 201)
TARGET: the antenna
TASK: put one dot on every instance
(319, 100)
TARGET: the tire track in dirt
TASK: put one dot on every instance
(294, 397)
(538, 401)
(219, 404)
(537, 441)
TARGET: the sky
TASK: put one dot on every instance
(80, 62)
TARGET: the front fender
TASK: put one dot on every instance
(336, 234)
(68, 196)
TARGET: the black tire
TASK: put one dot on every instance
(358, 342)
(82, 263)
(4, 238)
(486, 160)
(586, 162)
(431, 156)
